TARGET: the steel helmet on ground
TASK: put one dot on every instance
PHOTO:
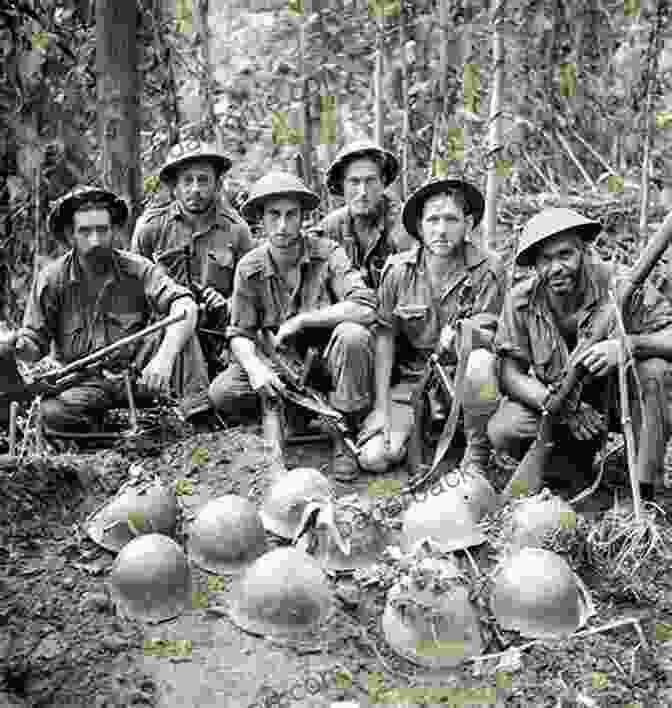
(183, 153)
(287, 498)
(135, 510)
(533, 518)
(278, 185)
(446, 519)
(429, 618)
(284, 595)
(150, 579)
(412, 211)
(552, 222)
(479, 495)
(63, 209)
(358, 150)
(226, 535)
(537, 594)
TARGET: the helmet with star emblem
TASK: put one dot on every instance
(188, 151)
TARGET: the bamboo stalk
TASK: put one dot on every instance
(13, 412)
(495, 137)
(378, 80)
(594, 152)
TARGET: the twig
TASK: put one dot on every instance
(568, 149)
(594, 152)
(13, 410)
(549, 184)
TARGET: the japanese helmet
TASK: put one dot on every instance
(355, 151)
(552, 222)
(226, 535)
(149, 507)
(346, 536)
(534, 518)
(284, 595)
(288, 497)
(150, 579)
(446, 519)
(192, 150)
(429, 618)
(278, 185)
(478, 494)
(537, 594)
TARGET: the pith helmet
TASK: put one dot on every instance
(150, 579)
(429, 619)
(135, 510)
(412, 211)
(446, 519)
(287, 499)
(285, 595)
(226, 535)
(537, 594)
(64, 207)
(552, 222)
(278, 185)
(189, 151)
(357, 150)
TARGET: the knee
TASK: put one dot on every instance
(226, 396)
(53, 412)
(351, 334)
(653, 370)
(373, 458)
(481, 387)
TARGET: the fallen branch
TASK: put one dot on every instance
(579, 166)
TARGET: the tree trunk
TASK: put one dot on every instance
(209, 127)
(405, 130)
(118, 99)
(495, 137)
(379, 125)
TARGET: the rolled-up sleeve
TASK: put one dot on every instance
(512, 338)
(244, 309)
(387, 295)
(161, 290)
(651, 311)
(41, 315)
(346, 282)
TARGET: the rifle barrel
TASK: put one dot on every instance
(111, 348)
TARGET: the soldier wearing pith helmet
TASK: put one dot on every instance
(196, 237)
(297, 290)
(445, 295)
(368, 226)
(549, 317)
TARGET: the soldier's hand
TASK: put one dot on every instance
(374, 423)
(156, 375)
(601, 358)
(214, 300)
(447, 340)
(287, 330)
(264, 380)
(586, 423)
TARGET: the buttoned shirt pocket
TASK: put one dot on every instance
(219, 269)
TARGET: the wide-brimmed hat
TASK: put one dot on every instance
(64, 208)
(552, 222)
(279, 185)
(357, 150)
(413, 207)
(189, 151)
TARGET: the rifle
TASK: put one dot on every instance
(14, 387)
(529, 475)
(295, 390)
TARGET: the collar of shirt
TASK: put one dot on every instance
(473, 257)
(217, 216)
(380, 227)
(76, 273)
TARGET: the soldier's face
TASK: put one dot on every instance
(443, 225)
(558, 262)
(196, 186)
(93, 236)
(363, 187)
(282, 222)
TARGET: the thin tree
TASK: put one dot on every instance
(118, 97)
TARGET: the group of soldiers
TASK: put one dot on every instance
(376, 288)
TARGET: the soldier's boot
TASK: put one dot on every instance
(344, 467)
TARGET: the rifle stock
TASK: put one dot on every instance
(529, 474)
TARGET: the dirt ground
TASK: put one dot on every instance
(62, 645)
